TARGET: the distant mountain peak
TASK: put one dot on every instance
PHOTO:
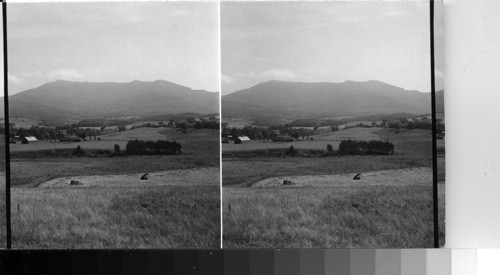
(280, 100)
(71, 100)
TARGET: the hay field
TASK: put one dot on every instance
(121, 138)
(320, 141)
(237, 122)
(328, 212)
(391, 206)
(177, 207)
(120, 212)
(3, 229)
(22, 122)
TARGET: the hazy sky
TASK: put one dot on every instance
(327, 42)
(118, 42)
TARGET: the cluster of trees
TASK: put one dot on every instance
(269, 133)
(84, 133)
(198, 124)
(36, 131)
(206, 124)
(159, 147)
(316, 123)
(372, 147)
(103, 123)
(415, 124)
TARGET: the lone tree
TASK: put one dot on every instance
(291, 152)
(117, 149)
(78, 151)
(329, 148)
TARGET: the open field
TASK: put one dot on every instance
(411, 176)
(22, 122)
(391, 206)
(177, 207)
(201, 176)
(107, 213)
(200, 148)
(237, 122)
(354, 123)
(121, 138)
(412, 149)
(317, 214)
(320, 141)
(3, 228)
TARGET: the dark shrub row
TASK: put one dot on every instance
(159, 147)
(372, 147)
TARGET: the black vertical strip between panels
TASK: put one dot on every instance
(435, 204)
(6, 119)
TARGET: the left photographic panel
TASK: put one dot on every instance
(114, 120)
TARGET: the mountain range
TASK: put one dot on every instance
(281, 101)
(66, 101)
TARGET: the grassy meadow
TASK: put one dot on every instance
(119, 210)
(3, 229)
(69, 218)
(369, 217)
(335, 214)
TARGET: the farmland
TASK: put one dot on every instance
(110, 207)
(319, 141)
(390, 207)
(237, 122)
(3, 229)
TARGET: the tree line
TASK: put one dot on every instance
(372, 147)
(148, 147)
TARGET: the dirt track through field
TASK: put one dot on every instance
(412, 176)
(185, 177)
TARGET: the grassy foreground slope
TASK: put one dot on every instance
(178, 207)
(316, 215)
(132, 217)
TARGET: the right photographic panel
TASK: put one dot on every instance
(327, 126)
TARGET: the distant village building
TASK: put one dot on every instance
(244, 138)
(238, 140)
(15, 139)
(30, 139)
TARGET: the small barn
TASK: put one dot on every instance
(30, 139)
(241, 139)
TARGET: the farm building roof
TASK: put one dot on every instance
(31, 139)
(244, 138)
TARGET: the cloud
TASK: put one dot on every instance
(391, 12)
(14, 79)
(226, 78)
(276, 74)
(179, 13)
(279, 74)
(438, 73)
(66, 74)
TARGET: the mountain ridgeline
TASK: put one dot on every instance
(67, 101)
(279, 101)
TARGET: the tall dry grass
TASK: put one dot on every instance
(160, 217)
(371, 216)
